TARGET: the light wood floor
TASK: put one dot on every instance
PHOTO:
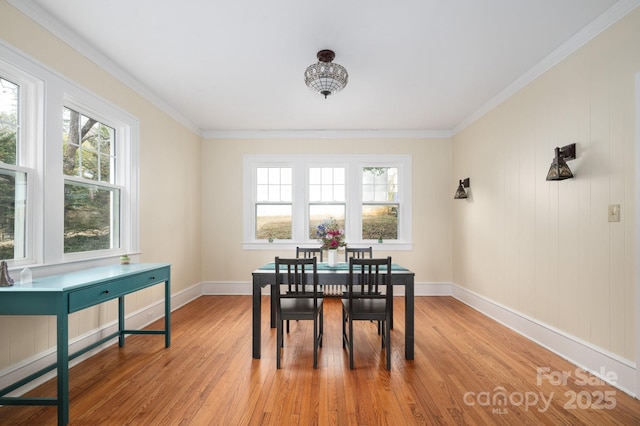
(464, 362)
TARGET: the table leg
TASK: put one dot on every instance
(273, 307)
(63, 364)
(257, 312)
(391, 321)
(121, 321)
(409, 320)
(167, 313)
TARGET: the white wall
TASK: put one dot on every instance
(546, 249)
(225, 261)
(170, 190)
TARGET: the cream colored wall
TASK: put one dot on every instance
(224, 259)
(546, 249)
(169, 189)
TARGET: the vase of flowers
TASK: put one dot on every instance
(331, 235)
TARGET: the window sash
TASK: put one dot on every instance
(107, 197)
(14, 189)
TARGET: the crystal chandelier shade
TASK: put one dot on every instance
(325, 77)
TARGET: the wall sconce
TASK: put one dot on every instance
(460, 192)
(559, 169)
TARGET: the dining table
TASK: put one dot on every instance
(337, 275)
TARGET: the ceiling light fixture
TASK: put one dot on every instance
(325, 77)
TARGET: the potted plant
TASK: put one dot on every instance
(332, 237)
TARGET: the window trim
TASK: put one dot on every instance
(31, 119)
(121, 122)
(49, 91)
(353, 164)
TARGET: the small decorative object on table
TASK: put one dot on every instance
(332, 237)
(26, 277)
(125, 259)
(5, 279)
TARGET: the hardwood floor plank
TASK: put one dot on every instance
(468, 369)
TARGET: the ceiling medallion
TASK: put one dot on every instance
(325, 77)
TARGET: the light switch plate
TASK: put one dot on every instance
(614, 212)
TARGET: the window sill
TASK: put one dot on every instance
(287, 245)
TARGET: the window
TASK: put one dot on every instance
(274, 198)
(91, 201)
(327, 198)
(380, 203)
(287, 197)
(14, 171)
(89, 210)
(12, 219)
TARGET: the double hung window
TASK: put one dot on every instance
(13, 174)
(287, 197)
(91, 198)
(274, 202)
(327, 196)
(68, 161)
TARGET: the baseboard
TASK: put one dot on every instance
(585, 355)
(134, 320)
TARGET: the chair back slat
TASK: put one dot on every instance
(295, 274)
(370, 275)
(309, 252)
(358, 253)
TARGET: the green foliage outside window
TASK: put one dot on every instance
(90, 211)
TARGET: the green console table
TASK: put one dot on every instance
(61, 295)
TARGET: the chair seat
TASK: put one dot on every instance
(298, 307)
(367, 307)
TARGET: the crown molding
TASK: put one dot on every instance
(582, 37)
(43, 18)
(604, 21)
(326, 134)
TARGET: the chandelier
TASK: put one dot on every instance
(325, 77)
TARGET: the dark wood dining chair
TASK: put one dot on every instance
(307, 252)
(362, 253)
(369, 303)
(359, 253)
(298, 298)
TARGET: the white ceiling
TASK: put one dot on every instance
(414, 65)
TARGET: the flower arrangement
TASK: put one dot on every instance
(330, 235)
